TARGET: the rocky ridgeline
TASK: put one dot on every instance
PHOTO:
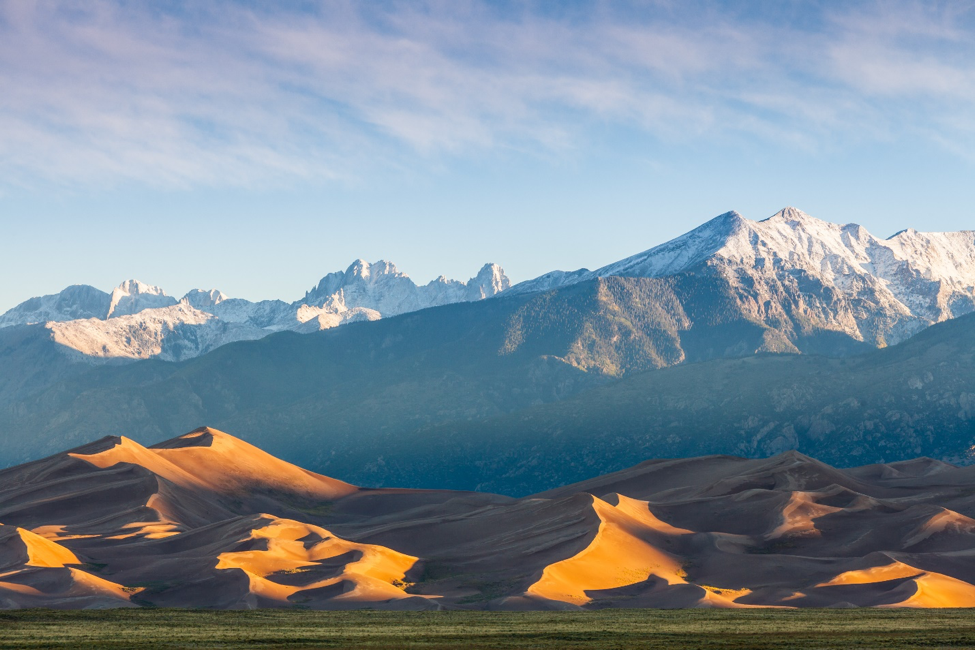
(140, 321)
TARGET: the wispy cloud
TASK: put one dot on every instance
(237, 94)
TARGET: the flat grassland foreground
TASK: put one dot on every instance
(810, 628)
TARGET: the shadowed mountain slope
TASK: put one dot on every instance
(369, 400)
(319, 395)
(916, 398)
(207, 520)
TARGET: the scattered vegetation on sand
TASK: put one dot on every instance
(618, 629)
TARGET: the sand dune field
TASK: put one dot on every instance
(206, 520)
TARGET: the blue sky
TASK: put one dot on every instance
(254, 147)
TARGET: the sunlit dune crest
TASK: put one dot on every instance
(36, 572)
(626, 551)
(211, 459)
(799, 515)
(618, 556)
(294, 555)
(946, 521)
(207, 520)
(42, 552)
(937, 590)
(919, 589)
(57, 533)
(147, 530)
(881, 573)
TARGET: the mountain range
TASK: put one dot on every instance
(739, 337)
(206, 520)
(794, 267)
(140, 321)
(798, 276)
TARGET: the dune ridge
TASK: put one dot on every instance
(208, 520)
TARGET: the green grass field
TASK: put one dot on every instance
(604, 629)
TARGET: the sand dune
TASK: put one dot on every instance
(207, 520)
(19, 546)
(300, 563)
(218, 462)
(622, 553)
(36, 572)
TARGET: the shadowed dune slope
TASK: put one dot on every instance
(207, 520)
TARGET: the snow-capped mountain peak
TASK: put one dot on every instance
(133, 296)
(681, 253)
(74, 302)
(381, 287)
(204, 299)
(365, 270)
(489, 281)
(360, 273)
(841, 276)
(792, 215)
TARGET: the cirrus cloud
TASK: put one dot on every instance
(238, 94)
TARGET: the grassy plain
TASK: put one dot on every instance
(616, 629)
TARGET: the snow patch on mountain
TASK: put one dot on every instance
(313, 319)
(169, 333)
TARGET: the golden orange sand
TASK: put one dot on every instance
(367, 576)
(799, 515)
(882, 573)
(944, 521)
(59, 533)
(45, 553)
(129, 451)
(71, 583)
(619, 555)
(209, 481)
(146, 530)
(227, 465)
(938, 590)
(931, 589)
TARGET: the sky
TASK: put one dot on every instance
(254, 146)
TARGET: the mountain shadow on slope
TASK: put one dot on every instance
(913, 399)
(314, 397)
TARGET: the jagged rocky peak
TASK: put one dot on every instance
(879, 291)
(363, 269)
(360, 272)
(383, 288)
(133, 296)
(489, 281)
(204, 299)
